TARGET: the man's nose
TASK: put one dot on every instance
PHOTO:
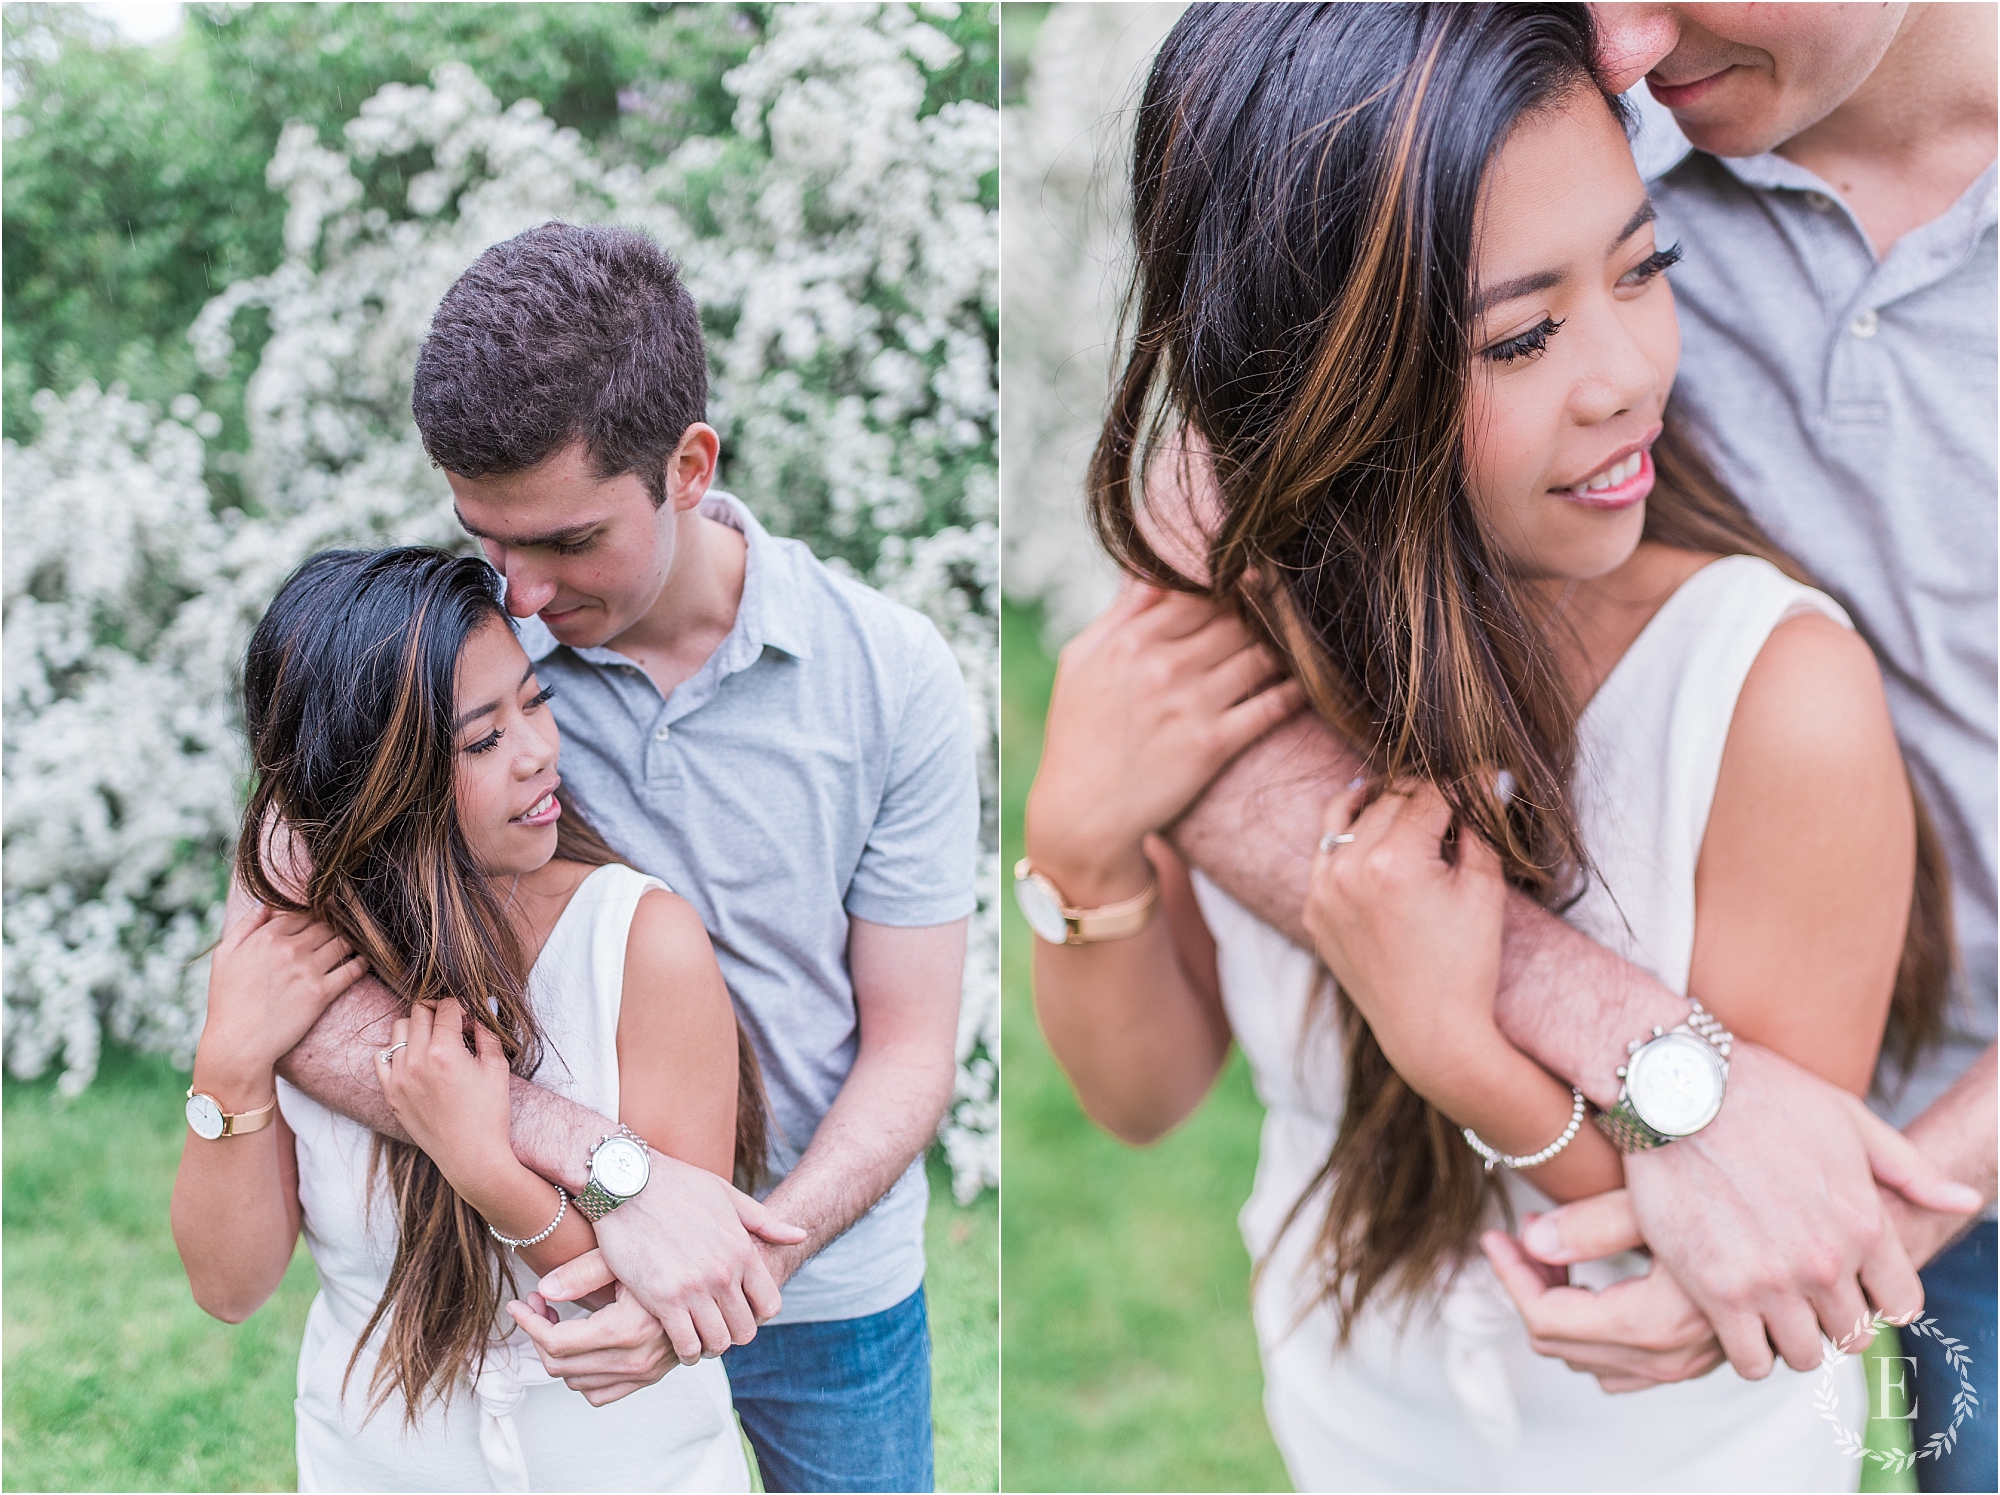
(527, 593)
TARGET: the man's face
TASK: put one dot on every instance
(1743, 79)
(589, 554)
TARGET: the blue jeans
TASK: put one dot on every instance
(840, 1405)
(1959, 1294)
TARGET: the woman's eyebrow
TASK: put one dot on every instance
(1548, 280)
(1521, 285)
(1646, 214)
(491, 706)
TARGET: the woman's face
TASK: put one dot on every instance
(505, 745)
(1575, 345)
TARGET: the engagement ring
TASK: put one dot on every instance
(388, 1055)
(1330, 840)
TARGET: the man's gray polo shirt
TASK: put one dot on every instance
(1851, 405)
(819, 766)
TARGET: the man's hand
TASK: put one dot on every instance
(619, 1349)
(1642, 1332)
(684, 1251)
(1775, 1255)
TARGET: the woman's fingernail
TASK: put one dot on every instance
(1503, 786)
(1359, 781)
(1542, 1239)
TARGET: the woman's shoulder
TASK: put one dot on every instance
(667, 935)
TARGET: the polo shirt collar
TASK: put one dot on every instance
(768, 615)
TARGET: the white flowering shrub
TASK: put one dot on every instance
(846, 269)
(1068, 257)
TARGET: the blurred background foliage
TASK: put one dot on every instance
(134, 187)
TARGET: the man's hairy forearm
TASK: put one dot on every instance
(1564, 1000)
(335, 1062)
(335, 1065)
(886, 1113)
(1255, 829)
(1959, 1132)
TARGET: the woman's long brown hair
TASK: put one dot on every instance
(1305, 180)
(348, 700)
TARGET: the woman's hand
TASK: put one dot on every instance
(616, 1350)
(1413, 939)
(1150, 701)
(271, 977)
(454, 1103)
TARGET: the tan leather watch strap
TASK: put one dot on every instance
(1108, 921)
(240, 1123)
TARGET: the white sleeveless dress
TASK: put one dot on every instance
(1454, 1398)
(516, 1429)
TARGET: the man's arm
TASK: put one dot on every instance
(1787, 1222)
(683, 1246)
(1960, 1132)
(1646, 1332)
(906, 993)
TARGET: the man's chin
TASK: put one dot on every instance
(579, 628)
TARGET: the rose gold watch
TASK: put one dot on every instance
(1049, 913)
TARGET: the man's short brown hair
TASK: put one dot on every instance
(563, 334)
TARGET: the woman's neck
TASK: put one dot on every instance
(1593, 621)
(535, 900)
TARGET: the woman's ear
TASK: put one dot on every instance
(691, 468)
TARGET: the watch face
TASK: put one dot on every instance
(1675, 1084)
(1041, 908)
(620, 1166)
(205, 1116)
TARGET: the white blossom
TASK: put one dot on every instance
(849, 285)
(1063, 191)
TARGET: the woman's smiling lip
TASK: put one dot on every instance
(1618, 496)
(546, 810)
(1629, 490)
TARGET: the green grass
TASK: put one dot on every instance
(114, 1380)
(1130, 1359)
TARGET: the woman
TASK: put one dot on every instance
(399, 735)
(1397, 280)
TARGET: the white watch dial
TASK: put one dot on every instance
(620, 1167)
(1675, 1084)
(205, 1117)
(1040, 908)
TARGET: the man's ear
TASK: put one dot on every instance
(691, 467)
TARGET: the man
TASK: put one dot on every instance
(1896, 106)
(793, 754)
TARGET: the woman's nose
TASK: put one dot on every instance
(1620, 376)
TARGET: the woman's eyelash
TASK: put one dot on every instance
(1528, 344)
(1653, 264)
(546, 693)
(487, 743)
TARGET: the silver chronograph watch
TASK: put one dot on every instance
(619, 1168)
(1673, 1084)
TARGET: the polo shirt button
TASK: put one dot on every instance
(1865, 324)
(1819, 202)
(662, 734)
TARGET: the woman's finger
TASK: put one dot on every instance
(418, 1029)
(330, 954)
(341, 977)
(1245, 722)
(1583, 1230)
(486, 1046)
(1241, 674)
